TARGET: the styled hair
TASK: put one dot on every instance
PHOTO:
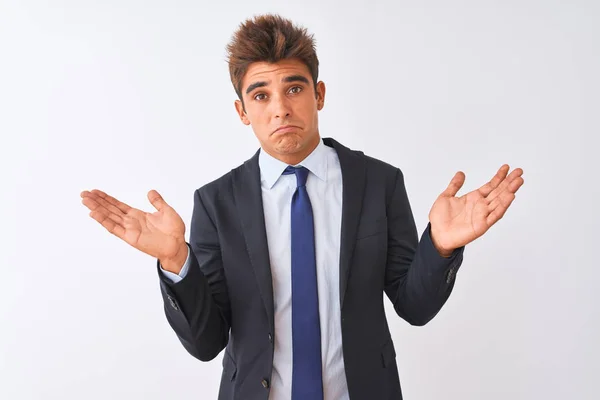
(269, 38)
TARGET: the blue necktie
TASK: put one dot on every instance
(307, 380)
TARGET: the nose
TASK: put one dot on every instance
(281, 107)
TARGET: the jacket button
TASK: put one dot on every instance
(265, 383)
(270, 338)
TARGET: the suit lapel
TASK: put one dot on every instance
(353, 169)
(248, 199)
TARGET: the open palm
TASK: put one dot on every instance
(158, 234)
(457, 221)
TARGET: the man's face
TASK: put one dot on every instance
(282, 95)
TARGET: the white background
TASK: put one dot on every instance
(128, 96)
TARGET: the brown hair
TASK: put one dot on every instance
(269, 38)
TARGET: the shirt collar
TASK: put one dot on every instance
(272, 168)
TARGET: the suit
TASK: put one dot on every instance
(226, 298)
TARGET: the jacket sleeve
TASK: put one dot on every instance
(418, 280)
(197, 307)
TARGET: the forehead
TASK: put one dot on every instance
(274, 72)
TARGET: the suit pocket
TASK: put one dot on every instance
(371, 227)
(229, 367)
(388, 353)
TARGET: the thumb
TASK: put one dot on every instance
(157, 201)
(455, 185)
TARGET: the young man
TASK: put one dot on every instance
(291, 252)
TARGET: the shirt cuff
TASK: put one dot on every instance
(177, 277)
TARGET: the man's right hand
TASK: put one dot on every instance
(160, 234)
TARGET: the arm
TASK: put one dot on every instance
(197, 305)
(418, 279)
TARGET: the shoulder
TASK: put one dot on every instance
(376, 167)
(352, 156)
(222, 186)
(380, 166)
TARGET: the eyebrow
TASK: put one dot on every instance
(287, 79)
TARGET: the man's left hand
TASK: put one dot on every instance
(457, 221)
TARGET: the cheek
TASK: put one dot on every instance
(256, 116)
(311, 114)
(306, 111)
(260, 123)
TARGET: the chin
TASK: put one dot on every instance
(288, 144)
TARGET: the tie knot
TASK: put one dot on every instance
(301, 174)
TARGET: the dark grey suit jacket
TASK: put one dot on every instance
(226, 298)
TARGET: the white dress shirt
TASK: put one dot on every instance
(324, 186)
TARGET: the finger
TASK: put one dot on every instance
(115, 212)
(455, 184)
(516, 184)
(124, 208)
(503, 200)
(108, 223)
(507, 184)
(496, 180)
(499, 206)
(96, 203)
(156, 200)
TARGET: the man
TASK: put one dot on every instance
(290, 253)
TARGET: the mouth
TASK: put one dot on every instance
(286, 129)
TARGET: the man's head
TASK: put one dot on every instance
(274, 68)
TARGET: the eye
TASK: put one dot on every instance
(260, 96)
(295, 89)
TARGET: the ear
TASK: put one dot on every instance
(240, 110)
(320, 95)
